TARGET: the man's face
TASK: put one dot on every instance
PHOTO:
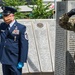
(9, 18)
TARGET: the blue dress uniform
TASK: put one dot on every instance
(13, 47)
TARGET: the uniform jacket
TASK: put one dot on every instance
(14, 44)
(66, 23)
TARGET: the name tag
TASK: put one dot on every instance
(15, 31)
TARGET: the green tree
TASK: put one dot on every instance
(41, 10)
(16, 3)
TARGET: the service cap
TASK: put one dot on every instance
(8, 10)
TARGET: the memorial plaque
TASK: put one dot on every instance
(42, 42)
(70, 44)
(70, 53)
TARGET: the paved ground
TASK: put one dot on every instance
(51, 73)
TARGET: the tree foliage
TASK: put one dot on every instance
(41, 10)
(16, 3)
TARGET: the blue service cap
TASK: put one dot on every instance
(8, 10)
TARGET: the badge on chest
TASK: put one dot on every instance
(15, 31)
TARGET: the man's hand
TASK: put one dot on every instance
(20, 65)
(71, 12)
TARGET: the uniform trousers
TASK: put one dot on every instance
(11, 70)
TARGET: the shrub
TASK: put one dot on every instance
(40, 10)
(16, 3)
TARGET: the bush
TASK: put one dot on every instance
(41, 10)
(16, 3)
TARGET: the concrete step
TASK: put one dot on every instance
(41, 73)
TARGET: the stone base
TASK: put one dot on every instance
(44, 73)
